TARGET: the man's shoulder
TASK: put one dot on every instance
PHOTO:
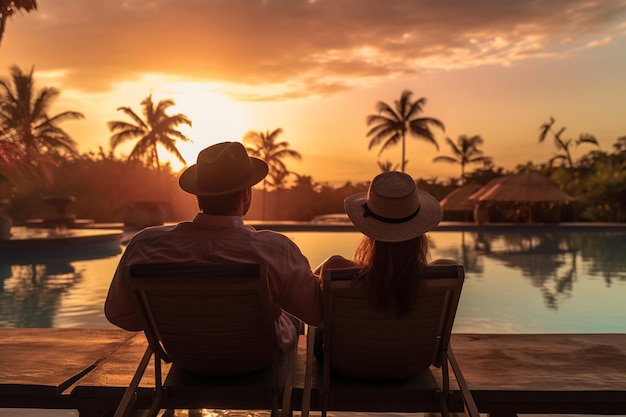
(274, 238)
(153, 232)
(270, 235)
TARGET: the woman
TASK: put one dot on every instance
(393, 216)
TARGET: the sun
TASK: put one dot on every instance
(214, 116)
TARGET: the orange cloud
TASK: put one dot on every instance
(292, 48)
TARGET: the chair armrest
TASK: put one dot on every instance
(469, 405)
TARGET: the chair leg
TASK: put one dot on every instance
(130, 395)
(308, 371)
(288, 383)
(443, 404)
(469, 404)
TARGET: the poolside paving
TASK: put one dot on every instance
(507, 373)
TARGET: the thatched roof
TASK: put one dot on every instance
(525, 187)
(457, 200)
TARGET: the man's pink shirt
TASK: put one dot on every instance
(208, 238)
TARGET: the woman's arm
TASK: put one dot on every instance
(335, 261)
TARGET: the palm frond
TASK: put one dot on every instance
(587, 138)
(544, 129)
(444, 158)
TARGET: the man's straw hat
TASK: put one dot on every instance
(222, 168)
(393, 209)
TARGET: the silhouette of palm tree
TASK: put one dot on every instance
(9, 7)
(391, 124)
(264, 145)
(387, 166)
(563, 145)
(465, 151)
(157, 128)
(30, 139)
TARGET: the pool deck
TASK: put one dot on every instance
(507, 373)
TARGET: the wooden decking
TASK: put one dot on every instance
(508, 374)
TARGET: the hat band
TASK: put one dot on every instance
(370, 213)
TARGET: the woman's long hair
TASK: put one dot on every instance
(390, 270)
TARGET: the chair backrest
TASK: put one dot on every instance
(209, 318)
(365, 342)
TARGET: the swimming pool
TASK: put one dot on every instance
(539, 281)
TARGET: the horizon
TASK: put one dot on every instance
(317, 68)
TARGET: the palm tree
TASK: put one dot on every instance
(158, 128)
(278, 179)
(563, 145)
(391, 124)
(387, 166)
(263, 145)
(9, 7)
(465, 151)
(30, 139)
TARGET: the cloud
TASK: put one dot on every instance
(276, 49)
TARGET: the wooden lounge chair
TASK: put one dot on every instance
(375, 361)
(215, 324)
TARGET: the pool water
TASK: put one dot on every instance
(535, 282)
(539, 282)
(516, 282)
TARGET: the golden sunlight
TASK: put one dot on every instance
(215, 118)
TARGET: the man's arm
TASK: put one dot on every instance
(119, 306)
(300, 292)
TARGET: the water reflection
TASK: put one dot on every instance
(33, 286)
(551, 260)
(516, 282)
(32, 293)
(606, 256)
(467, 253)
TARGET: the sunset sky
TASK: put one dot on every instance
(316, 69)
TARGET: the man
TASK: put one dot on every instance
(222, 181)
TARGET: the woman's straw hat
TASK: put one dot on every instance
(393, 209)
(222, 168)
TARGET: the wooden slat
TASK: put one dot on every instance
(113, 374)
(46, 361)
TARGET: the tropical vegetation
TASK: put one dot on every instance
(465, 151)
(265, 146)
(387, 166)
(563, 145)
(156, 129)
(9, 7)
(31, 140)
(391, 124)
(107, 184)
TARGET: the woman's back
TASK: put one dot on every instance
(367, 342)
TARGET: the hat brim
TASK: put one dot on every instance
(428, 218)
(188, 180)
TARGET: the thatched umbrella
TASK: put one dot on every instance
(457, 200)
(525, 187)
(484, 189)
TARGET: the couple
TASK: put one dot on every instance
(393, 216)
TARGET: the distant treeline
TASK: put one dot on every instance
(105, 187)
